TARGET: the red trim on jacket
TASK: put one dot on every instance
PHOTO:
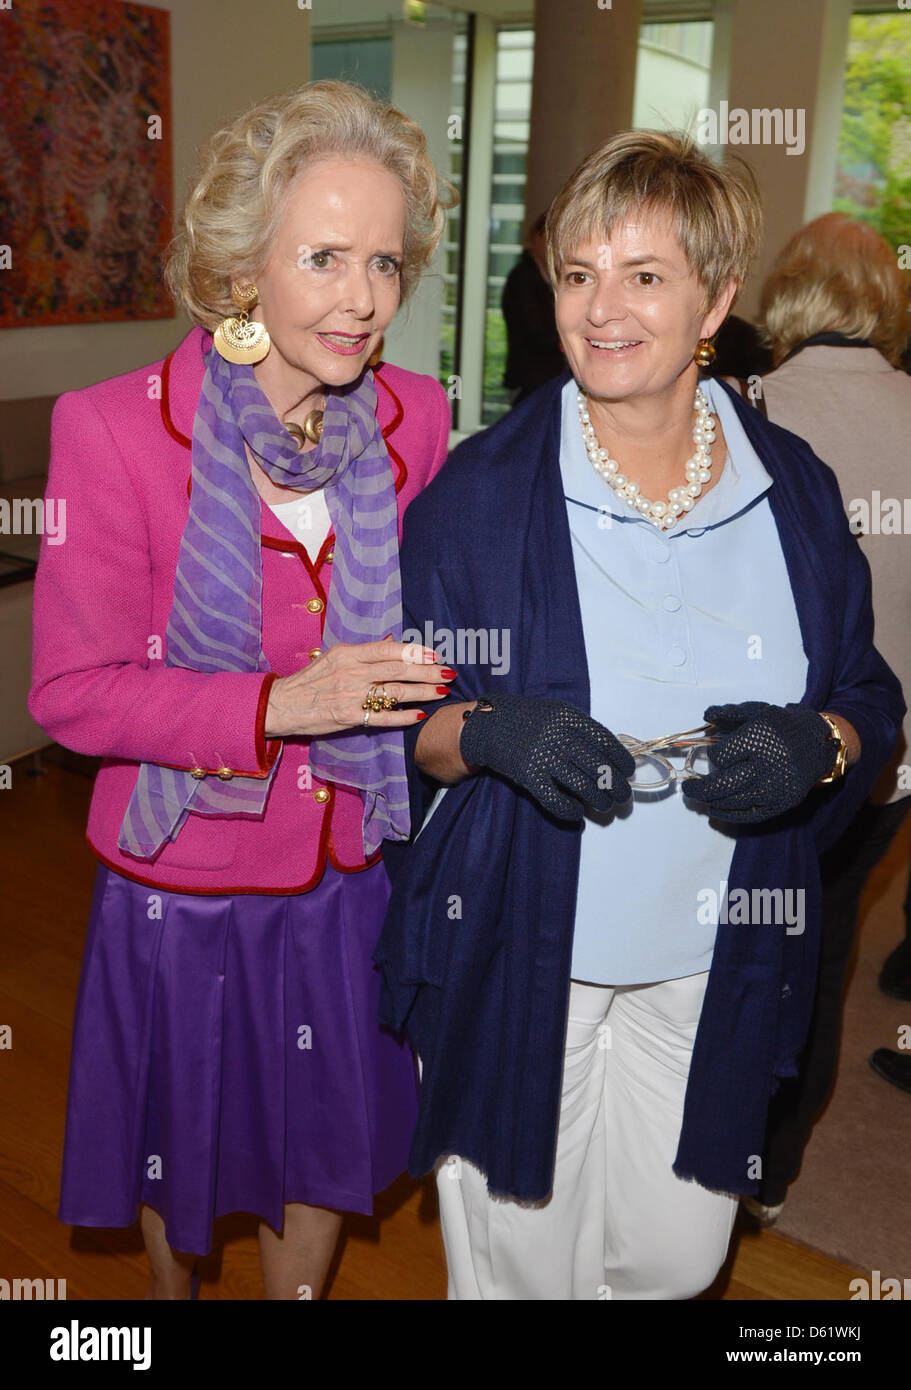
(375, 858)
(293, 547)
(325, 852)
(323, 556)
(398, 461)
(166, 419)
(265, 754)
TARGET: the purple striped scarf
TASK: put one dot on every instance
(216, 617)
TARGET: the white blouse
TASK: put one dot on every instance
(307, 518)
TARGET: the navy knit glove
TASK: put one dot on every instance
(768, 761)
(554, 751)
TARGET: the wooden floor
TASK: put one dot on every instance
(45, 891)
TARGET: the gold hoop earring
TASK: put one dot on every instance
(704, 355)
(376, 355)
(242, 339)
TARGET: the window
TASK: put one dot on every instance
(673, 69)
(672, 84)
(512, 113)
(453, 232)
(419, 67)
(873, 177)
(366, 61)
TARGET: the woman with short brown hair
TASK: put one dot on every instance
(604, 977)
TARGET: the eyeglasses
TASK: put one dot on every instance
(654, 770)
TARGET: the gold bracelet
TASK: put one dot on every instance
(841, 756)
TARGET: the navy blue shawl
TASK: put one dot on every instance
(477, 944)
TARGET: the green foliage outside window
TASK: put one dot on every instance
(873, 181)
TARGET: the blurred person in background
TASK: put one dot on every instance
(834, 310)
(533, 352)
(739, 350)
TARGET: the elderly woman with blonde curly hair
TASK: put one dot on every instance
(223, 629)
(604, 959)
(835, 313)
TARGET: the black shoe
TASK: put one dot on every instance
(894, 1066)
(895, 976)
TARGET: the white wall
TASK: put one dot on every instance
(670, 90)
(422, 87)
(792, 60)
(225, 54)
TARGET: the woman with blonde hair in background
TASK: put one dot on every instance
(834, 311)
(223, 628)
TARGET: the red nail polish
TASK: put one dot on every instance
(442, 689)
(421, 715)
(447, 673)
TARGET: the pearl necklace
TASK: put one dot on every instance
(680, 499)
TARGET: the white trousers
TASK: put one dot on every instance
(619, 1223)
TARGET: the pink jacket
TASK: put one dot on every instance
(120, 457)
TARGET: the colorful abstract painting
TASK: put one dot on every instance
(85, 162)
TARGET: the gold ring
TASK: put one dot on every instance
(379, 697)
(367, 702)
(390, 702)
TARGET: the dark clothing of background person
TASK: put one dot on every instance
(739, 350)
(533, 353)
(826, 386)
(795, 1107)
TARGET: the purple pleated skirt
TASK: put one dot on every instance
(227, 1057)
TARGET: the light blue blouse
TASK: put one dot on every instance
(673, 621)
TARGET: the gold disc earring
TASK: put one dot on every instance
(704, 355)
(242, 339)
